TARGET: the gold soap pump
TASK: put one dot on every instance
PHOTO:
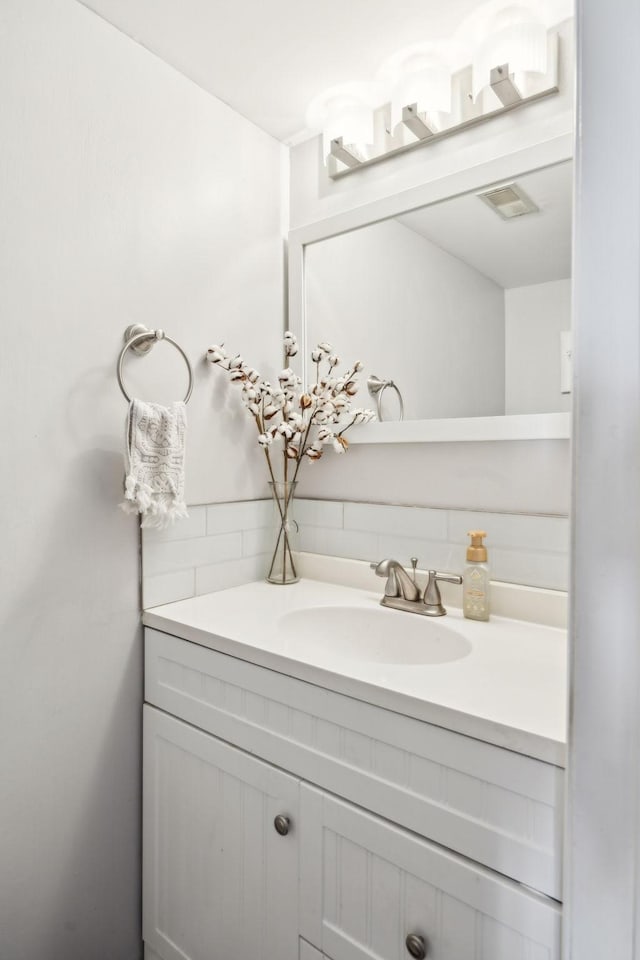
(475, 590)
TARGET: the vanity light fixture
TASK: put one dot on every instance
(430, 91)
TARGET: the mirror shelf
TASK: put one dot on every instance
(530, 426)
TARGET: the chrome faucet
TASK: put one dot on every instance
(401, 591)
(399, 584)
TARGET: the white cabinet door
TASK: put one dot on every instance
(367, 885)
(220, 883)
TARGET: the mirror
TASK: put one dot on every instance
(466, 310)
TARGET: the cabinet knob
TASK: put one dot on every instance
(416, 946)
(282, 823)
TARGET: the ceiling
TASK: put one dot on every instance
(531, 249)
(268, 60)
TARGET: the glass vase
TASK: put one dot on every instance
(283, 564)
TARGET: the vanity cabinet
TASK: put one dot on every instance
(397, 828)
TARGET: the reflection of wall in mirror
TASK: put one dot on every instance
(413, 313)
(455, 342)
(535, 318)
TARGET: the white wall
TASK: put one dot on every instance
(126, 194)
(532, 477)
(534, 318)
(526, 476)
(388, 296)
(602, 889)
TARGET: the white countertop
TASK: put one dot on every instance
(510, 690)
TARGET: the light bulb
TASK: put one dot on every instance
(417, 75)
(345, 112)
(515, 37)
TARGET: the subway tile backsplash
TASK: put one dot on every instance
(221, 545)
(225, 544)
(523, 548)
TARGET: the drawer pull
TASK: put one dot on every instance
(281, 823)
(416, 946)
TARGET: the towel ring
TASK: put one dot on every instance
(140, 339)
(377, 387)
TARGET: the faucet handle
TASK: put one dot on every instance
(448, 577)
(414, 567)
(432, 599)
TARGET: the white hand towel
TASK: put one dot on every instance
(154, 462)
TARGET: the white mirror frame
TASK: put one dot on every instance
(535, 426)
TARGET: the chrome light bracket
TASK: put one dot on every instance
(344, 154)
(503, 85)
(414, 122)
(502, 88)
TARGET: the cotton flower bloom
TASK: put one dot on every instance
(285, 430)
(290, 344)
(287, 377)
(265, 440)
(217, 354)
(325, 435)
(278, 398)
(362, 416)
(295, 420)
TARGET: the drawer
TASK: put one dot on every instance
(494, 806)
(366, 885)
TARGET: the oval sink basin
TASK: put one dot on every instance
(371, 636)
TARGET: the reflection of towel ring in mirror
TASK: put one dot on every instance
(140, 339)
(376, 389)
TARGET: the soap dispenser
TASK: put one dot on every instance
(475, 590)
